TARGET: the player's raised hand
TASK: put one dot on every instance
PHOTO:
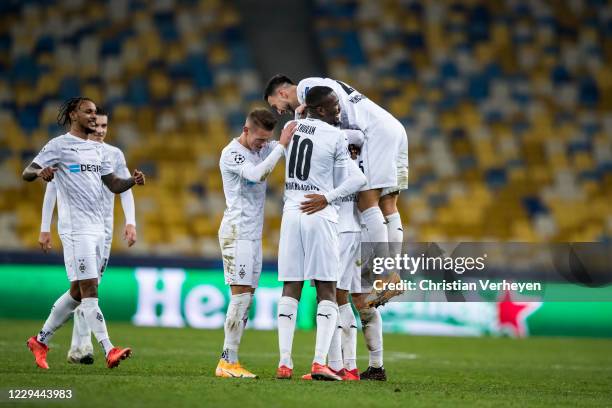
(316, 202)
(47, 173)
(139, 177)
(129, 234)
(44, 240)
(287, 133)
(300, 110)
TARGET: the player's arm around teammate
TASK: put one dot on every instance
(384, 158)
(308, 249)
(245, 164)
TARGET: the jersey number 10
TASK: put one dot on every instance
(300, 168)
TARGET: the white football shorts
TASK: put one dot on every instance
(83, 255)
(241, 261)
(308, 248)
(380, 157)
(402, 168)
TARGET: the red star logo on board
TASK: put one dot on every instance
(512, 316)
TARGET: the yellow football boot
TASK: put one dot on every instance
(232, 370)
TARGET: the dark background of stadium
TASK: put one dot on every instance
(507, 105)
(508, 109)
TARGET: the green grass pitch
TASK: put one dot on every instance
(175, 368)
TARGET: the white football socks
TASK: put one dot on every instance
(334, 357)
(395, 230)
(376, 232)
(346, 320)
(375, 223)
(287, 316)
(372, 331)
(234, 325)
(245, 318)
(327, 318)
(95, 320)
(60, 313)
(81, 334)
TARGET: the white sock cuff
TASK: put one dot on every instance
(372, 213)
(238, 306)
(288, 301)
(70, 300)
(241, 299)
(326, 304)
(89, 302)
(343, 308)
(393, 217)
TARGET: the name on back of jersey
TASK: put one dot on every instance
(309, 130)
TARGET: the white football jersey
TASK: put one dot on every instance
(356, 110)
(117, 159)
(310, 158)
(80, 191)
(244, 199)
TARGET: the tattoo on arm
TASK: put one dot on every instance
(117, 185)
(30, 172)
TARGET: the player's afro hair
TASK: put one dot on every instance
(274, 83)
(70, 105)
(317, 95)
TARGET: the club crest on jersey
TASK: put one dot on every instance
(78, 168)
(82, 267)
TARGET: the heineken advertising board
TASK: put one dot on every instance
(176, 297)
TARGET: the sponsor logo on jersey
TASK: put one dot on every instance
(78, 168)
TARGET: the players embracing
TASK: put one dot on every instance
(384, 160)
(318, 171)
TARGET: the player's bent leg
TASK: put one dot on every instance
(372, 216)
(395, 234)
(372, 330)
(60, 312)
(287, 317)
(388, 206)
